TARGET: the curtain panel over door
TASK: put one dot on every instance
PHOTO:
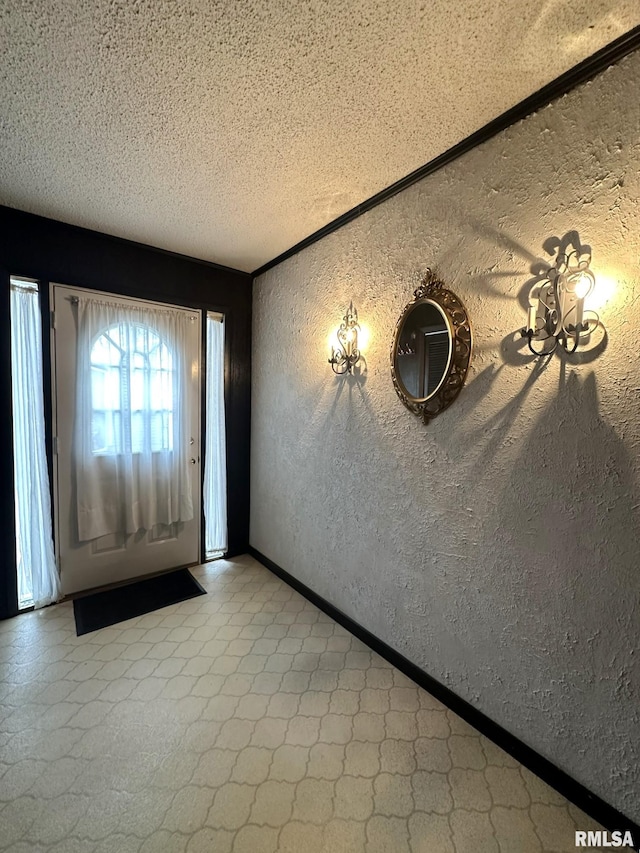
(215, 468)
(38, 581)
(131, 434)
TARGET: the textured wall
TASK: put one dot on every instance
(498, 546)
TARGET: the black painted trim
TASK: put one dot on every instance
(44, 303)
(576, 793)
(581, 73)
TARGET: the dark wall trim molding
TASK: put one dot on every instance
(50, 251)
(581, 73)
(576, 793)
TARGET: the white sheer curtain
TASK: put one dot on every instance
(215, 460)
(38, 581)
(131, 435)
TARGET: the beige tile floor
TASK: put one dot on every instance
(245, 720)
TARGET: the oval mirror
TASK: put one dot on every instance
(431, 349)
(423, 352)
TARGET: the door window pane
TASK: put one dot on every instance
(132, 376)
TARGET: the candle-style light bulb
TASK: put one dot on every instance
(582, 285)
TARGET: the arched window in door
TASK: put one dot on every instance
(131, 437)
(132, 382)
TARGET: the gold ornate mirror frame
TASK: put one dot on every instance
(433, 291)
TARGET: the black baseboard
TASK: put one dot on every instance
(576, 793)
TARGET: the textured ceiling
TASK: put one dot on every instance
(231, 130)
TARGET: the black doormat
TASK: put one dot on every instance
(125, 602)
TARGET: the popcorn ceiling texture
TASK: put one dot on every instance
(231, 130)
(498, 547)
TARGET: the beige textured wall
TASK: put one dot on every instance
(498, 547)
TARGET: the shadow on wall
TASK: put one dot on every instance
(554, 246)
(579, 502)
(514, 350)
(567, 538)
(564, 582)
(570, 508)
(578, 463)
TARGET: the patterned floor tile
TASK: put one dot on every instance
(245, 721)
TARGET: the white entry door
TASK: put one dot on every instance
(119, 408)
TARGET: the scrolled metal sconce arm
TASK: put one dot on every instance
(345, 357)
(556, 306)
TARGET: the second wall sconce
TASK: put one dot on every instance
(345, 357)
(556, 306)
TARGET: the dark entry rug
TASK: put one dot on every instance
(115, 605)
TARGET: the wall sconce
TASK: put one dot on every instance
(556, 305)
(347, 355)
